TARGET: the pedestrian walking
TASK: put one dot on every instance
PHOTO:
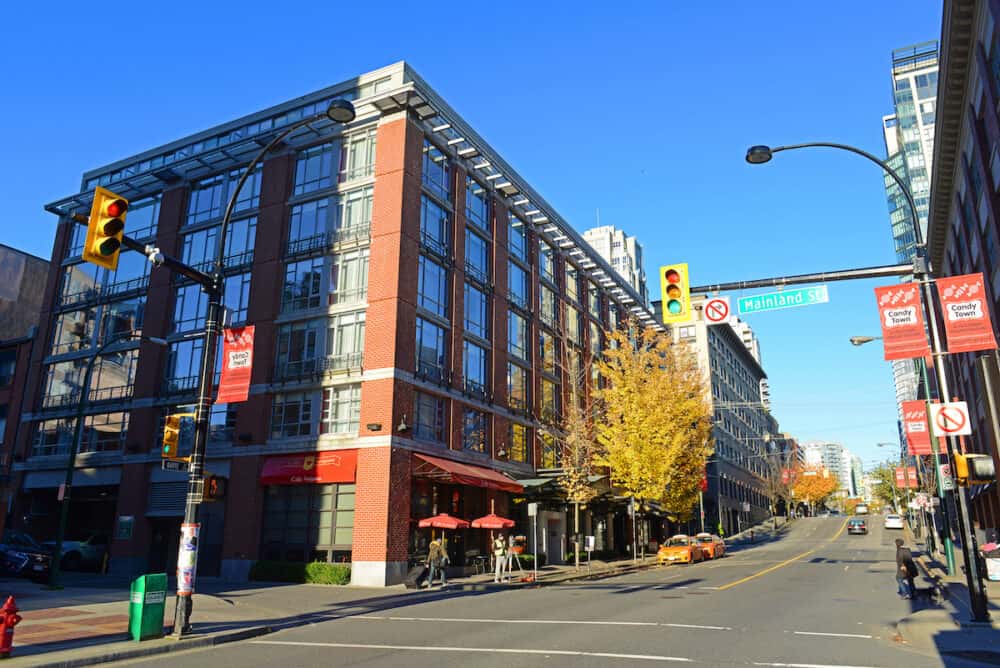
(436, 561)
(500, 557)
(906, 570)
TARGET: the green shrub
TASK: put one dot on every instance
(528, 560)
(301, 573)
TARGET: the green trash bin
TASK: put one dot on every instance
(146, 605)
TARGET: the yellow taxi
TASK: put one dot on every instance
(713, 546)
(680, 549)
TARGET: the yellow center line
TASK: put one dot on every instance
(783, 563)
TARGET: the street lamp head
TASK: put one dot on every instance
(862, 340)
(758, 155)
(155, 339)
(340, 111)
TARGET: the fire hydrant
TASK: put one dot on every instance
(8, 620)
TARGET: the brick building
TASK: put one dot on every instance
(419, 311)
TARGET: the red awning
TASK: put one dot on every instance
(310, 467)
(456, 473)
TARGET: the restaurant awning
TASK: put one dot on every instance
(310, 468)
(445, 470)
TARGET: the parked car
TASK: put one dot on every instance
(713, 546)
(86, 552)
(22, 556)
(857, 525)
(894, 522)
(680, 549)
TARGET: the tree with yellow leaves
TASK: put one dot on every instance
(815, 484)
(655, 431)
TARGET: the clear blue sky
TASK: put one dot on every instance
(641, 110)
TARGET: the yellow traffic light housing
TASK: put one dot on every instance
(172, 435)
(675, 291)
(974, 469)
(105, 229)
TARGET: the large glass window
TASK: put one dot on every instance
(291, 415)
(345, 341)
(594, 300)
(477, 312)
(104, 433)
(132, 273)
(314, 168)
(303, 285)
(473, 430)
(436, 171)
(548, 351)
(123, 317)
(357, 159)
(596, 346)
(572, 283)
(517, 285)
(428, 419)
(546, 261)
(517, 238)
(354, 211)
(430, 349)
(341, 409)
(183, 360)
(236, 297)
(517, 387)
(432, 287)
(477, 205)
(574, 325)
(348, 277)
(518, 438)
(477, 256)
(52, 437)
(199, 248)
(8, 364)
(475, 363)
(308, 523)
(113, 375)
(308, 224)
(80, 282)
(550, 400)
(548, 306)
(517, 336)
(143, 215)
(550, 455)
(210, 196)
(297, 348)
(434, 227)
(74, 331)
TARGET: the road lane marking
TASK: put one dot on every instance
(479, 650)
(783, 563)
(536, 621)
(808, 665)
(696, 626)
(831, 635)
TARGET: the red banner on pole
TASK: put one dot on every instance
(918, 438)
(237, 364)
(966, 313)
(902, 318)
(908, 475)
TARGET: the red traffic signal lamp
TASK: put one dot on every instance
(105, 229)
(675, 289)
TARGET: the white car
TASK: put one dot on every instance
(893, 522)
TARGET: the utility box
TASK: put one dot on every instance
(146, 606)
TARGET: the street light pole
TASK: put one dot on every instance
(922, 273)
(74, 448)
(339, 111)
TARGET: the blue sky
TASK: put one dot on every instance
(640, 110)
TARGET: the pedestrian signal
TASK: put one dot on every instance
(105, 229)
(215, 488)
(675, 293)
(974, 469)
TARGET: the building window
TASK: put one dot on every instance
(291, 415)
(550, 455)
(143, 215)
(574, 325)
(308, 523)
(517, 336)
(345, 341)
(477, 312)
(357, 158)
(210, 196)
(199, 248)
(436, 171)
(517, 387)
(74, 331)
(548, 307)
(434, 228)
(477, 257)
(189, 308)
(477, 205)
(517, 238)
(3, 421)
(113, 375)
(104, 433)
(550, 401)
(548, 352)
(428, 417)
(546, 261)
(518, 437)
(341, 409)
(303, 285)
(430, 350)
(475, 363)
(236, 297)
(594, 300)
(572, 283)
(354, 211)
(222, 422)
(473, 430)
(307, 225)
(52, 437)
(432, 287)
(132, 273)
(348, 277)
(314, 168)
(517, 285)
(297, 348)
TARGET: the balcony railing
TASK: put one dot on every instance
(433, 372)
(477, 273)
(347, 296)
(475, 389)
(517, 300)
(327, 240)
(181, 385)
(434, 245)
(342, 362)
(317, 365)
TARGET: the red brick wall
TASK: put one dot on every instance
(382, 505)
(133, 492)
(244, 509)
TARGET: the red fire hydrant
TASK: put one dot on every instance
(8, 620)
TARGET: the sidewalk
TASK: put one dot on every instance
(944, 626)
(86, 623)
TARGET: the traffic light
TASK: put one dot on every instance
(974, 469)
(177, 430)
(675, 291)
(105, 229)
(215, 488)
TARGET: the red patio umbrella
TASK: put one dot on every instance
(443, 521)
(492, 521)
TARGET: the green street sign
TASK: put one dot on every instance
(772, 301)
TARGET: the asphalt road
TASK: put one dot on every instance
(815, 597)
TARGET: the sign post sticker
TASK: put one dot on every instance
(951, 419)
(717, 310)
(772, 301)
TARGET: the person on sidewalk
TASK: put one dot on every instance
(500, 557)
(435, 559)
(906, 570)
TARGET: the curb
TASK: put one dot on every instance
(167, 645)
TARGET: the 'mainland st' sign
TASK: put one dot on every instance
(772, 301)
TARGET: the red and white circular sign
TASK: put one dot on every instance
(951, 419)
(717, 310)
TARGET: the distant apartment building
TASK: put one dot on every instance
(623, 253)
(833, 457)
(22, 286)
